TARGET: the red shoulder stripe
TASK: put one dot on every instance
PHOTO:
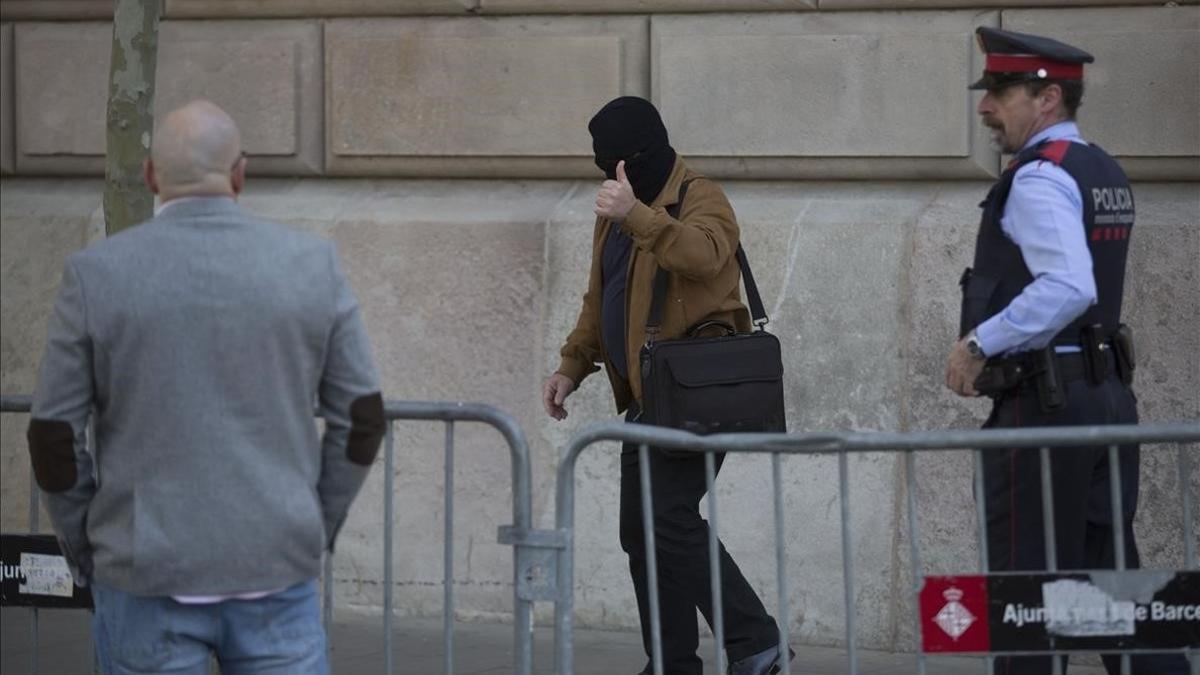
(1055, 151)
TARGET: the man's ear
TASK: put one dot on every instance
(237, 177)
(148, 175)
(1052, 97)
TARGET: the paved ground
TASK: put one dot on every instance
(63, 648)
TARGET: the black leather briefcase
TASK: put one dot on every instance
(706, 385)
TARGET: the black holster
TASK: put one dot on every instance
(1049, 380)
(1095, 362)
(1041, 367)
(1123, 354)
(998, 377)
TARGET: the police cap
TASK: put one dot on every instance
(1018, 57)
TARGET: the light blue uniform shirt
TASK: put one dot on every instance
(1044, 217)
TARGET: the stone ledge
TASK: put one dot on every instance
(734, 168)
(641, 6)
(77, 10)
(902, 5)
(51, 10)
(279, 9)
(55, 10)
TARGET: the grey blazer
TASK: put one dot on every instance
(198, 343)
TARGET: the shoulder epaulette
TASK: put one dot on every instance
(1054, 151)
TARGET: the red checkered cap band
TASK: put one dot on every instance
(1030, 63)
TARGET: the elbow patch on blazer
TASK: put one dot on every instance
(367, 427)
(52, 451)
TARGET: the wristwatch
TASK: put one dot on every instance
(973, 346)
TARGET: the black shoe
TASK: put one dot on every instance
(765, 662)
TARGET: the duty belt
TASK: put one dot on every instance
(1101, 353)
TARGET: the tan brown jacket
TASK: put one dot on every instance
(698, 250)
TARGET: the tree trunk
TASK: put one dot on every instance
(127, 201)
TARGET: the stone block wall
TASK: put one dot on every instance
(790, 95)
(442, 144)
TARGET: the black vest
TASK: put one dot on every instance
(999, 274)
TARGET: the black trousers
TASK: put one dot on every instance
(681, 547)
(1083, 513)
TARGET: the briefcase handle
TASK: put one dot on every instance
(712, 323)
(654, 319)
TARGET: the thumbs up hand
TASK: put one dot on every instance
(615, 198)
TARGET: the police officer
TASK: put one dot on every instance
(1041, 328)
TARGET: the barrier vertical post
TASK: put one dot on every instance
(34, 507)
(1048, 533)
(651, 558)
(1189, 545)
(847, 564)
(910, 478)
(448, 557)
(1185, 496)
(981, 517)
(780, 565)
(389, 478)
(1118, 524)
(714, 559)
(327, 603)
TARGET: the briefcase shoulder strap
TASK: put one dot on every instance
(654, 318)
(757, 311)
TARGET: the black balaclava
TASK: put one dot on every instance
(629, 128)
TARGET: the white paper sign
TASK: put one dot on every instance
(46, 575)
(1080, 609)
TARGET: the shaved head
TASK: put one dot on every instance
(197, 151)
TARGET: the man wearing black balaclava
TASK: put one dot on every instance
(641, 225)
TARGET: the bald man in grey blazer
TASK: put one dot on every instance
(197, 343)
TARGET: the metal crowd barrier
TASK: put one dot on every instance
(22, 404)
(449, 413)
(842, 444)
(543, 560)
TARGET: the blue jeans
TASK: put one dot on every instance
(281, 633)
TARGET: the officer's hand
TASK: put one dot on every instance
(616, 196)
(962, 369)
(556, 390)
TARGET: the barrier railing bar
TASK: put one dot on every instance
(651, 558)
(781, 565)
(981, 529)
(448, 557)
(389, 477)
(910, 482)
(714, 559)
(847, 565)
(858, 442)
(15, 403)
